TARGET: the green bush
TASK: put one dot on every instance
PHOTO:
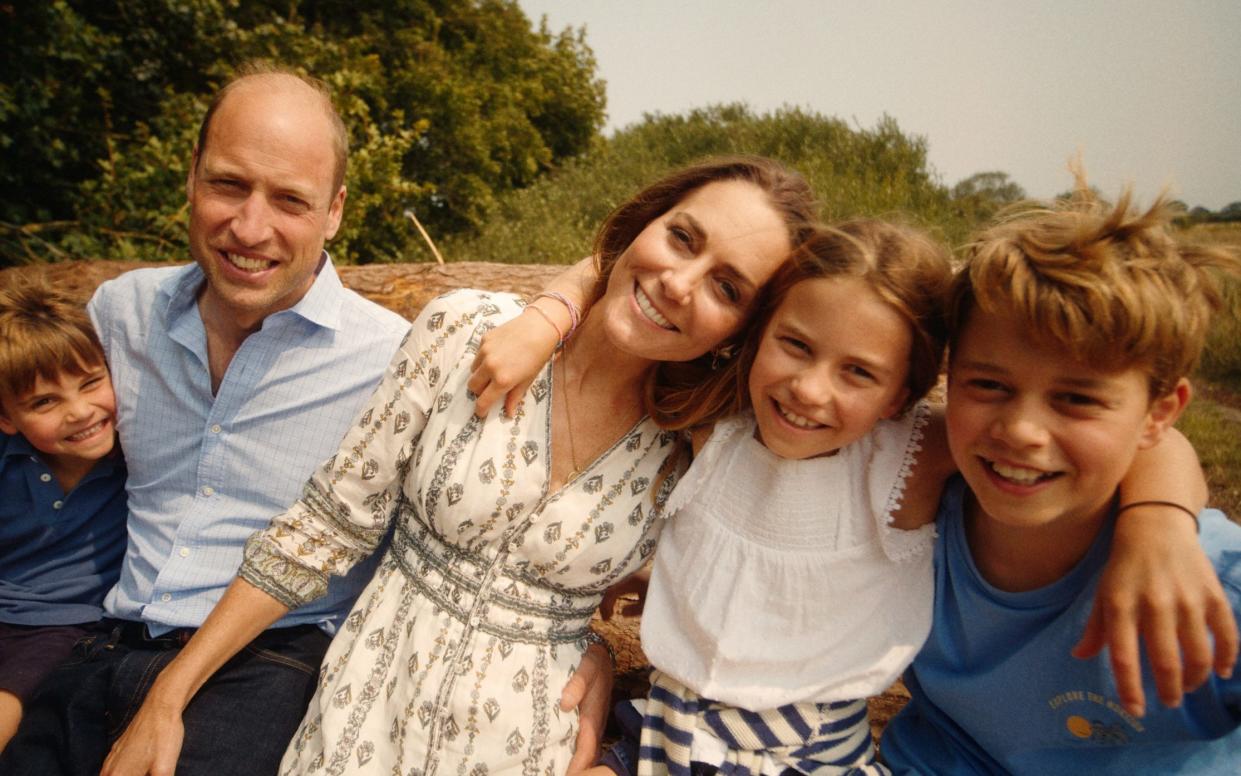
(854, 171)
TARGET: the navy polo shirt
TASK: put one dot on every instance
(59, 552)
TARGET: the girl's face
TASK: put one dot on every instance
(832, 362)
(688, 280)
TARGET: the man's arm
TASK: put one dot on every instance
(512, 355)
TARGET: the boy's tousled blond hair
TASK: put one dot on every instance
(903, 265)
(43, 333)
(1109, 284)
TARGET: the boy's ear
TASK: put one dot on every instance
(1164, 411)
(7, 425)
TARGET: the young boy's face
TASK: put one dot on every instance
(69, 418)
(1038, 435)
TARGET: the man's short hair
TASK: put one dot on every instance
(43, 333)
(1109, 284)
(261, 68)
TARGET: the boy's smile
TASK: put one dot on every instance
(70, 420)
(1040, 436)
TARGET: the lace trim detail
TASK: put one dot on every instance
(901, 545)
(704, 463)
(289, 582)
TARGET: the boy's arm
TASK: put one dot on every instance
(1158, 582)
(512, 355)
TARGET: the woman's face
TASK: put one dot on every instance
(688, 280)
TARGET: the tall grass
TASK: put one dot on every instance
(1221, 358)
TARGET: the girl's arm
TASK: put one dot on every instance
(1159, 582)
(152, 741)
(512, 355)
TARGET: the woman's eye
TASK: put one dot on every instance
(680, 235)
(729, 291)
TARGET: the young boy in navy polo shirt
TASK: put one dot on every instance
(62, 487)
(1072, 331)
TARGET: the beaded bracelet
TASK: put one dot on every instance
(1193, 515)
(593, 637)
(575, 312)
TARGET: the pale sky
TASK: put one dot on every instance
(1149, 91)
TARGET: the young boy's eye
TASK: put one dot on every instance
(1080, 400)
(983, 385)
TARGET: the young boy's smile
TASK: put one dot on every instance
(1039, 436)
(71, 419)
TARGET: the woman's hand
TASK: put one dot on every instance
(590, 691)
(511, 355)
(152, 742)
(1160, 584)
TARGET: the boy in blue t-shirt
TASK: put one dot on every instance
(62, 487)
(1073, 329)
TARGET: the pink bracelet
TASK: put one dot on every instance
(575, 312)
(559, 335)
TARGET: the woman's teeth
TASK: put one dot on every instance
(648, 309)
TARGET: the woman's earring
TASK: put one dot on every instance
(721, 355)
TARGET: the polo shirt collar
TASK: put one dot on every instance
(17, 446)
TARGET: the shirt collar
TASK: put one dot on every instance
(17, 446)
(320, 306)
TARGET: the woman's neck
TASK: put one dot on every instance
(598, 367)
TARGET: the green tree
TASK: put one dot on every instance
(981, 195)
(449, 103)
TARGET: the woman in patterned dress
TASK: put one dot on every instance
(506, 532)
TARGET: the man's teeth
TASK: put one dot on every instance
(86, 433)
(795, 419)
(1018, 474)
(247, 263)
(648, 309)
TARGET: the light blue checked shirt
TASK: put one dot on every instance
(207, 471)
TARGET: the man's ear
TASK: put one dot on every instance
(189, 176)
(335, 211)
(1164, 411)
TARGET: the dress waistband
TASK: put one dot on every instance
(484, 591)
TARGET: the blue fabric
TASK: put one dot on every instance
(59, 552)
(207, 471)
(995, 689)
(241, 719)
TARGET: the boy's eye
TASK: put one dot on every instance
(1080, 400)
(42, 402)
(984, 385)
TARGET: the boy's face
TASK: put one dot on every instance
(1038, 435)
(70, 418)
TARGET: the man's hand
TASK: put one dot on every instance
(1168, 592)
(151, 744)
(590, 691)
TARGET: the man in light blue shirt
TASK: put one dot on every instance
(235, 376)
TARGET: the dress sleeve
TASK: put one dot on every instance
(348, 502)
(896, 444)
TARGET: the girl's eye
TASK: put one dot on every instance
(984, 385)
(862, 372)
(795, 344)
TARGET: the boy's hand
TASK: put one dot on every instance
(509, 357)
(1167, 591)
(590, 690)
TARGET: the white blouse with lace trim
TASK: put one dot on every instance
(779, 581)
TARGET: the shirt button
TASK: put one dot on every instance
(45, 477)
(208, 490)
(57, 504)
(166, 597)
(184, 552)
(215, 428)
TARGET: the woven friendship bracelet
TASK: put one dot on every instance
(559, 334)
(1193, 515)
(575, 312)
(593, 637)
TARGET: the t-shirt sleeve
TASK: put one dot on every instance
(348, 501)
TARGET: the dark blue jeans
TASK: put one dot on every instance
(238, 723)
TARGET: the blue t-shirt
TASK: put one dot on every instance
(995, 689)
(59, 552)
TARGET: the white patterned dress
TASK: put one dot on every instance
(453, 659)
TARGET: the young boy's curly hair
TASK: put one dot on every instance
(1109, 284)
(43, 333)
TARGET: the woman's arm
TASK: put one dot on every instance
(152, 741)
(512, 355)
(1158, 582)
